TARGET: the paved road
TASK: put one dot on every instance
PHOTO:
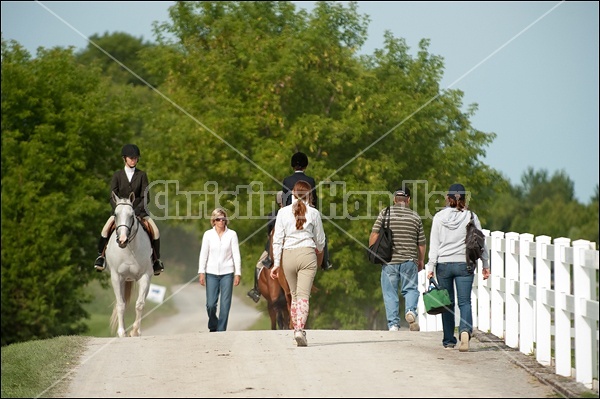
(190, 300)
(179, 358)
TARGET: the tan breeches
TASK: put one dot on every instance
(111, 219)
(300, 268)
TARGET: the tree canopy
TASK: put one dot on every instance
(235, 89)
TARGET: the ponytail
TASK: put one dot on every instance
(303, 193)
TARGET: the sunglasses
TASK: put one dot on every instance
(220, 219)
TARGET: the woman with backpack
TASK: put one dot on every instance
(448, 256)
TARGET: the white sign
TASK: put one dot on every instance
(156, 293)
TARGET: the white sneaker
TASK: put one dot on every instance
(464, 342)
(300, 337)
(394, 328)
(411, 318)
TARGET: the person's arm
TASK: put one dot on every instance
(277, 245)
(485, 256)
(315, 200)
(287, 191)
(422, 245)
(375, 230)
(143, 198)
(421, 260)
(203, 258)
(237, 259)
(434, 243)
(372, 238)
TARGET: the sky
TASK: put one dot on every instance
(532, 67)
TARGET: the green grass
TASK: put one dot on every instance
(36, 368)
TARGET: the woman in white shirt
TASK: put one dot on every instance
(297, 238)
(220, 268)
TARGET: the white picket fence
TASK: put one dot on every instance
(541, 298)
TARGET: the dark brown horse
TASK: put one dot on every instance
(276, 300)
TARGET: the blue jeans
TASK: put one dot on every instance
(449, 274)
(391, 276)
(218, 285)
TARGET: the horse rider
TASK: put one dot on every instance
(125, 181)
(299, 163)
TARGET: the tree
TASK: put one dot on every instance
(60, 124)
(544, 205)
(254, 82)
(120, 56)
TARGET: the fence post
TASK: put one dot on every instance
(497, 277)
(483, 294)
(526, 296)
(562, 313)
(584, 331)
(511, 292)
(543, 322)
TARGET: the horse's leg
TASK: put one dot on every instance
(119, 310)
(288, 296)
(264, 287)
(143, 288)
(283, 314)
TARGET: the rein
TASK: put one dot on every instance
(131, 232)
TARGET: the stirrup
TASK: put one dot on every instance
(158, 267)
(254, 295)
(100, 263)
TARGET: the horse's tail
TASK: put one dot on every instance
(127, 293)
(114, 322)
(281, 301)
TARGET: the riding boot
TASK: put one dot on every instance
(301, 313)
(253, 293)
(158, 265)
(326, 264)
(294, 314)
(99, 263)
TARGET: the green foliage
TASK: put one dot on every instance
(257, 81)
(545, 205)
(238, 88)
(59, 125)
(120, 56)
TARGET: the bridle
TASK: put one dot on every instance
(131, 230)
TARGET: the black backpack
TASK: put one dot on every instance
(474, 242)
(382, 250)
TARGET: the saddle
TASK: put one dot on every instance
(145, 226)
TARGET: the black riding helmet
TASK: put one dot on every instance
(131, 151)
(299, 159)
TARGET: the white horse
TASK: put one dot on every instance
(128, 257)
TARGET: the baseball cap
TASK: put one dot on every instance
(455, 189)
(402, 192)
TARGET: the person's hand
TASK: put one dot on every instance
(275, 273)
(429, 275)
(202, 279)
(420, 265)
(236, 280)
(485, 273)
